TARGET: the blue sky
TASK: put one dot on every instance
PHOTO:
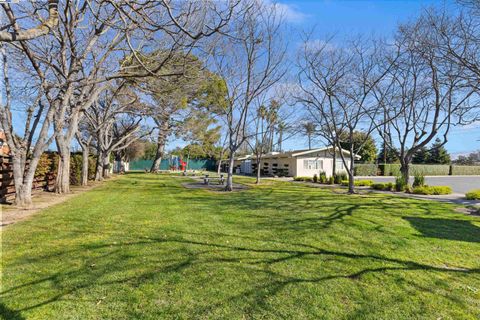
(380, 18)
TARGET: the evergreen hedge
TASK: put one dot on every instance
(366, 169)
(465, 170)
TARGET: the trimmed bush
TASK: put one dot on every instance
(359, 183)
(315, 178)
(340, 176)
(400, 184)
(365, 169)
(383, 186)
(322, 177)
(473, 195)
(418, 180)
(465, 170)
(307, 179)
(331, 180)
(432, 190)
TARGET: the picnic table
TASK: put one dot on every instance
(207, 179)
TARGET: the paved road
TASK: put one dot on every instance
(459, 184)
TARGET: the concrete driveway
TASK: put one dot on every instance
(459, 184)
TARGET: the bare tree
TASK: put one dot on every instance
(250, 61)
(72, 64)
(337, 86)
(113, 121)
(456, 40)
(426, 94)
(26, 147)
(264, 120)
(42, 29)
(84, 139)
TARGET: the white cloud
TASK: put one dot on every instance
(291, 13)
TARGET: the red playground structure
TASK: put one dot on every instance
(177, 163)
(183, 165)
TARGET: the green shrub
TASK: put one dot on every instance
(473, 195)
(418, 180)
(365, 169)
(308, 179)
(75, 169)
(359, 183)
(340, 176)
(44, 166)
(432, 190)
(315, 178)
(331, 180)
(322, 177)
(400, 184)
(383, 186)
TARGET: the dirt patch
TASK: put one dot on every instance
(213, 186)
(10, 214)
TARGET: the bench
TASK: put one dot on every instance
(207, 180)
(193, 173)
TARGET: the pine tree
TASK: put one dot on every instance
(391, 156)
(421, 156)
(438, 153)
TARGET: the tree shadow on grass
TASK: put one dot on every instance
(449, 229)
(10, 314)
(259, 257)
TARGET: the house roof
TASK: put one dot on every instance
(294, 153)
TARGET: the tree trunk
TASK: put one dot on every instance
(351, 177)
(23, 196)
(23, 187)
(99, 165)
(258, 170)
(219, 167)
(106, 165)
(334, 163)
(405, 171)
(62, 181)
(84, 177)
(280, 137)
(161, 140)
(229, 186)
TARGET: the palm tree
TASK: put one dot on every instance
(309, 128)
(280, 129)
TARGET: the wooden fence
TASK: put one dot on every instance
(7, 187)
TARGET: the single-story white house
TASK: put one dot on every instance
(297, 163)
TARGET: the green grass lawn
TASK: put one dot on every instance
(144, 247)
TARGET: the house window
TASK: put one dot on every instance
(312, 164)
(339, 165)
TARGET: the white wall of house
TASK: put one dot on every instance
(308, 165)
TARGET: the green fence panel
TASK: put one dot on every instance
(193, 164)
